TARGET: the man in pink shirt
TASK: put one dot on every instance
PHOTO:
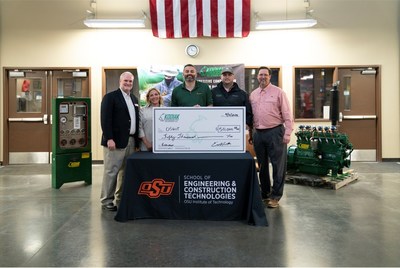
(273, 123)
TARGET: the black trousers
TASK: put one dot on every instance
(269, 147)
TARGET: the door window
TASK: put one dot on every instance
(29, 95)
(312, 92)
(347, 92)
(69, 87)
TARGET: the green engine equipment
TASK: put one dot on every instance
(319, 150)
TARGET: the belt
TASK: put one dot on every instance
(267, 129)
(131, 135)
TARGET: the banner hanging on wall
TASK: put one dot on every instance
(211, 74)
(166, 77)
(163, 77)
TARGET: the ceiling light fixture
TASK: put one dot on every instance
(285, 24)
(92, 21)
(369, 71)
(288, 24)
(114, 23)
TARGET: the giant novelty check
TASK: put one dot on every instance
(199, 129)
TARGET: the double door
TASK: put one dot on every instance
(28, 110)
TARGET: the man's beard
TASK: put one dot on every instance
(189, 78)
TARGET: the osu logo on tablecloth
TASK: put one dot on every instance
(156, 187)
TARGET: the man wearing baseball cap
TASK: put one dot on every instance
(228, 93)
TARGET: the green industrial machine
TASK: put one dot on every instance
(71, 142)
(319, 150)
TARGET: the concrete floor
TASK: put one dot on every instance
(357, 225)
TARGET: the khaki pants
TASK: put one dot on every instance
(113, 176)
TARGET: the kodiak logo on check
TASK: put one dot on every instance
(169, 117)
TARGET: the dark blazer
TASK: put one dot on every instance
(116, 121)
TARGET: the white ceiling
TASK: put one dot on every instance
(69, 14)
(277, 8)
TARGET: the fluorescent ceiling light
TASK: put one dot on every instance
(285, 24)
(369, 71)
(114, 23)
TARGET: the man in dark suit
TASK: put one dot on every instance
(120, 126)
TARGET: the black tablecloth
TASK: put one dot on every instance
(209, 186)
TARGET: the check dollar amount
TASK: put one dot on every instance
(199, 129)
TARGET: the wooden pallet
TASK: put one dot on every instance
(322, 181)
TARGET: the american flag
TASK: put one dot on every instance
(198, 18)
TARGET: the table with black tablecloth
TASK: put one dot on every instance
(191, 186)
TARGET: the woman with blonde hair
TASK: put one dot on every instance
(153, 99)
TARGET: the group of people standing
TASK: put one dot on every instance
(126, 128)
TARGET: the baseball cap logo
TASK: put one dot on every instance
(156, 188)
